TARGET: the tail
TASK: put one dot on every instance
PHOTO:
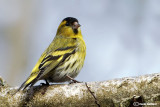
(31, 80)
(24, 85)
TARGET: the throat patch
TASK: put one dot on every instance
(75, 31)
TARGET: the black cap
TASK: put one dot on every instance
(70, 20)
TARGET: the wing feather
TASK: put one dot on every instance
(53, 56)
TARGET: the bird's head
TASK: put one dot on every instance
(69, 27)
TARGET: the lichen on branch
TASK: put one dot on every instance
(112, 93)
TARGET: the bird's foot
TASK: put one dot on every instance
(45, 84)
(73, 80)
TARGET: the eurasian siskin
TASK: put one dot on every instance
(64, 57)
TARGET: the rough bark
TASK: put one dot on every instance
(112, 93)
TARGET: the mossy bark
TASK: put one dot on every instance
(123, 92)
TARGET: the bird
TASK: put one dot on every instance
(64, 57)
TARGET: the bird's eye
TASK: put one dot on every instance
(67, 24)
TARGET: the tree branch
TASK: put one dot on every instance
(124, 92)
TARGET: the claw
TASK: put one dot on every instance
(47, 83)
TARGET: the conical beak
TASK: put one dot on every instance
(76, 25)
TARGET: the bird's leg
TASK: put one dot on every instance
(73, 80)
(47, 83)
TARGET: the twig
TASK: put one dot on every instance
(92, 93)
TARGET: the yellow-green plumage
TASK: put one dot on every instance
(64, 56)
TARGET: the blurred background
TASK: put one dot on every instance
(122, 37)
